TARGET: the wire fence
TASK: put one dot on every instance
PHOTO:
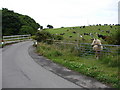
(86, 49)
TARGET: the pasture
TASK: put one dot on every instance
(87, 33)
(75, 52)
(104, 70)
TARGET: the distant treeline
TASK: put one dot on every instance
(15, 23)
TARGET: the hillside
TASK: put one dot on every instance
(14, 23)
(85, 34)
(81, 57)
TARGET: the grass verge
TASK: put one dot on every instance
(86, 65)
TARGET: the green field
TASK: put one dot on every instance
(104, 69)
(68, 31)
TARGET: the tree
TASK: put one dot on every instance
(117, 38)
(26, 30)
(114, 38)
(28, 21)
(49, 26)
(10, 23)
(42, 36)
(41, 27)
(14, 23)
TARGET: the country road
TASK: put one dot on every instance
(19, 70)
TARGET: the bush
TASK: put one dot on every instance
(27, 30)
(57, 53)
(33, 37)
(111, 61)
(42, 36)
(58, 37)
(115, 38)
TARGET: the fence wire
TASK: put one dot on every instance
(85, 49)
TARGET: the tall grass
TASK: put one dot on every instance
(111, 60)
(82, 59)
(103, 70)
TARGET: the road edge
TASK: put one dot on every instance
(72, 76)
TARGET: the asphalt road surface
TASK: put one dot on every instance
(19, 70)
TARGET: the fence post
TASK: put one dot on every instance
(86, 49)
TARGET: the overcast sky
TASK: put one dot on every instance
(66, 13)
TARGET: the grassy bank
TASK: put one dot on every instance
(87, 65)
(73, 33)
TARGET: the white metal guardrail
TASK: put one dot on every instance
(14, 38)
